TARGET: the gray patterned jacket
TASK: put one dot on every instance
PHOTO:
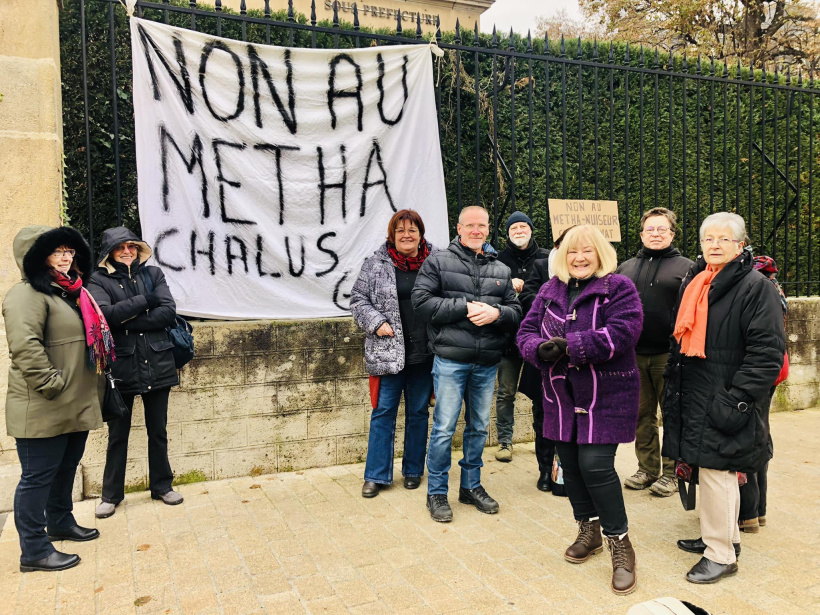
(373, 301)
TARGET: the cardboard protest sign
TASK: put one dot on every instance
(565, 213)
(267, 175)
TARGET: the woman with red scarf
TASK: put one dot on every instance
(59, 344)
(396, 352)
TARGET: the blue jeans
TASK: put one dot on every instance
(509, 371)
(417, 384)
(457, 382)
(43, 496)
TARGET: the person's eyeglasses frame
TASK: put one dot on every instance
(131, 247)
(722, 242)
(660, 230)
(60, 253)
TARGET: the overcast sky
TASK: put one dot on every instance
(521, 15)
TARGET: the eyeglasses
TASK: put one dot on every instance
(131, 247)
(660, 230)
(61, 253)
(723, 242)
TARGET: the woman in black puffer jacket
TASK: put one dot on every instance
(727, 351)
(138, 306)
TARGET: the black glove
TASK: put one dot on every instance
(551, 351)
(153, 300)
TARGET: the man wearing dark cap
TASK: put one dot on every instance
(520, 254)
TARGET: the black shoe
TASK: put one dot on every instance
(412, 482)
(543, 483)
(698, 546)
(439, 508)
(55, 561)
(75, 534)
(370, 490)
(479, 498)
(707, 571)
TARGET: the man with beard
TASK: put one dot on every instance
(521, 252)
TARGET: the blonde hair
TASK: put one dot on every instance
(607, 257)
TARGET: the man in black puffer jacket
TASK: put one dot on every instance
(467, 298)
(657, 271)
(520, 254)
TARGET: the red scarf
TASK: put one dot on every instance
(408, 263)
(97, 334)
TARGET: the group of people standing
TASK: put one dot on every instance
(69, 319)
(597, 348)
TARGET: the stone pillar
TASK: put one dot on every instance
(31, 159)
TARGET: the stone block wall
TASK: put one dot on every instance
(264, 397)
(802, 389)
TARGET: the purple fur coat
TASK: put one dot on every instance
(591, 395)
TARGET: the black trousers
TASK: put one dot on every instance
(43, 495)
(160, 475)
(592, 484)
(544, 447)
(753, 495)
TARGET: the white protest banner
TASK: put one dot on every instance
(267, 174)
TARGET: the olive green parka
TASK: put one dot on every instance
(52, 390)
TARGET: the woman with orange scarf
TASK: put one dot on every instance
(727, 350)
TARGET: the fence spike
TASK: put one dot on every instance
(418, 25)
(800, 77)
(218, 6)
(438, 29)
(685, 62)
(739, 69)
(546, 43)
(698, 69)
(494, 40)
(657, 59)
(458, 32)
(626, 56)
(356, 25)
(192, 4)
(512, 40)
(398, 23)
(291, 16)
(243, 8)
(643, 57)
(312, 12)
(335, 13)
(563, 47)
(789, 74)
(529, 42)
(712, 66)
(579, 54)
(611, 58)
(476, 41)
(595, 49)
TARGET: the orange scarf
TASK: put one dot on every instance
(690, 326)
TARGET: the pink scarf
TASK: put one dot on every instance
(97, 334)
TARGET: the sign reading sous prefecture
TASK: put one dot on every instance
(268, 174)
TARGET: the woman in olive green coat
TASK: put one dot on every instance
(58, 344)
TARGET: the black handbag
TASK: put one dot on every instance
(113, 407)
(180, 333)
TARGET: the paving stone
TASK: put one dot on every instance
(307, 542)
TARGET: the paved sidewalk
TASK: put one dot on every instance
(307, 542)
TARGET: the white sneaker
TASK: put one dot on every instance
(105, 510)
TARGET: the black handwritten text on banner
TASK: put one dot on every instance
(268, 174)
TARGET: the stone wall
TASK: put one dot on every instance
(802, 389)
(264, 397)
(31, 163)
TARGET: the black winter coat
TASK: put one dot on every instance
(521, 263)
(447, 281)
(144, 359)
(716, 410)
(530, 383)
(657, 275)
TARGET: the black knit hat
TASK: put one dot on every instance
(519, 216)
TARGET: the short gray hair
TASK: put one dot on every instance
(727, 219)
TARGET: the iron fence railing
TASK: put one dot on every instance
(520, 121)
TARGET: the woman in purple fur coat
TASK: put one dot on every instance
(581, 333)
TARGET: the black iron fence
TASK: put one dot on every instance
(520, 120)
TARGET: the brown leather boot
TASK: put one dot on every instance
(624, 575)
(588, 543)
